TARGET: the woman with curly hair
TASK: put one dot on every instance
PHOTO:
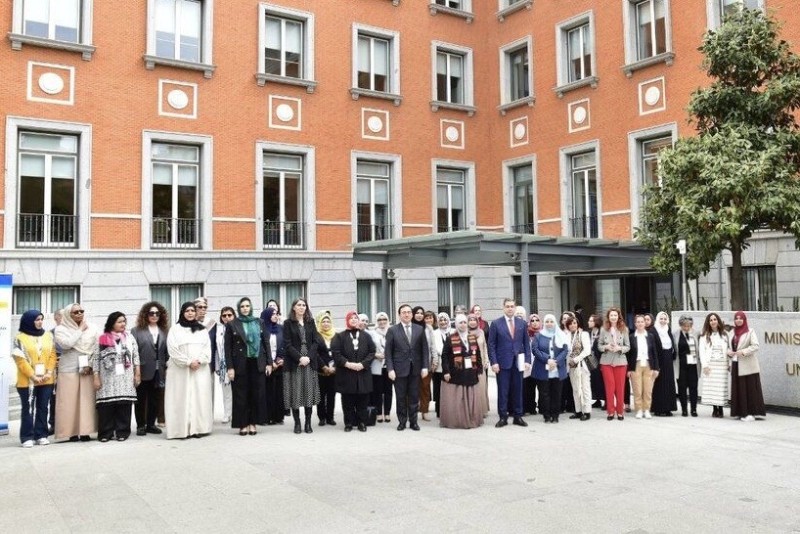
(150, 334)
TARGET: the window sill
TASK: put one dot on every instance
(590, 81)
(18, 39)
(513, 8)
(357, 92)
(150, 63)
(262, 79)
(395, 3)
(505, 108)
(436, 8)
(469, 110)
(667, 58)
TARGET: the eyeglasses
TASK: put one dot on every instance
(154, 313)
(201, 307)
(77, 312)
(227, 315)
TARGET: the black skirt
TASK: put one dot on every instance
(746, 395)
(664, 389)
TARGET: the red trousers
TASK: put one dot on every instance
(614, 379)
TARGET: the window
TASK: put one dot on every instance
(579, 53)
(760, 288)
(45, 299)
(507, 7)
(460, 8)
(450, 200)
(575, 54)
(650, 150)
(719, 9)
(644, 147)
(283, 200)
(453, 4)
(372, 201)
(284, 293)
(48, 171)
(453, 292)
(515, 74)
(286, 46)
(176, 173)
(172, 297)
(452, 77)
(370, 299)
(522, 179)
(376, 63)
(63, 24)
(583, 173)
(179, 34)
(648, 34)
(533, 304)
(48, 166)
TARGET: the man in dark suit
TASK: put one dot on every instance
(508, 347)
(406, 359)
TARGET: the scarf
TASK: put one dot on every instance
(328, 334)
(739, 331)
(252, 329)
(347, 318)
(266, 317)
(533, 330)
(481, 323)
(27, 326)
(555, 334)
(88, 340)
(111, 339)
(472, 349)
(663, 331)
(194, 326)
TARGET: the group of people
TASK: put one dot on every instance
(269, 367)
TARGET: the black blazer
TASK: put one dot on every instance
(152, 357)
(292, 342)
(236, 348)
(400, 354)
(347, 380)
(652, 352)
(683, 348)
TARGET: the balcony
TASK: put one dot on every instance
(442, 229)
(525, 228)
(284, 234)
(176, 233)
(40, 230)
(583, 227)
(373, 232)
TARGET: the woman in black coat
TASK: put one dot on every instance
(353, 351)
(301, 345)
(248, 358)
(273, 386)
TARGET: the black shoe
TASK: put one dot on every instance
(620, 418)
(547, 419)
(586, 417)
(322, 422)
(667, 414)
(597, 404)
(694, 413)
(362, 427)
(519, 421)
(627, 409)
(501, 423)
(401, 426)
(414, 426)
(331, 422)
(348, 428)
(153, 430)
(576, 415)
(85, 438)
(297, 427)
(141, 431)
(684, 413)
(610, 418)
(73, 438)
(555, 419)
(308, 429)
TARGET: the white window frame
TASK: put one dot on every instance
(562, 56)
(565, 172)
(469, 77)
(506, 103)
(395, 162)
(635, 140)
(470, 202)
(82, 180)
(450, 280)
(281, 299)
(309, 187)
(630, 25)
(375, 286)
(464, 9)
(509, 198)
(393, 37)
(307, 60)
(714, 11)
(205, 189)
(83, 46)
(205, 65)
(507, 7)
(175, 304)
(46, 296)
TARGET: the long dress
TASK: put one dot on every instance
(664, 392)
(75, 403)
(713, 356)
(187, 398)
(462, 402)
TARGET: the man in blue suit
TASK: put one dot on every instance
(508, 345)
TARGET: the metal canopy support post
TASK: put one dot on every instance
(385, 292)
(525, 281)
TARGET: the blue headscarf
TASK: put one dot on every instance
(26, 325)
(266, 317)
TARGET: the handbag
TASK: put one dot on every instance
(591, 361)
(372, 415)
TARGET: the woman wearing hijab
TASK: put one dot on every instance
(688, 365)
(76, 416)
(150, 334)
(34, 353)
(483, 385)
(664, 395)
(117, 374)
(429, 324)
(248, 360)
(381, 397)
(273, 392)
(353, 352)
(188, 404)
(643, 367)
(747, 400)
(550, 367)
(614, 344)
(303, 347)
(714, 346)
(327, 371)
(462, 363)
(436, 338)
(580, 346)
(226, 315)
(528, 382)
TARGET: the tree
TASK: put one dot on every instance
(740, 173)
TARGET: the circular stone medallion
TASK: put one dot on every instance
(451, 133)
(652, 96)
(51, 83)
(519, 131)
(284, 112)
(375, 124)
(579, 115)
(178, 99)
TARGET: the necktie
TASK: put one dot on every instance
(511, 327)
(408, 332)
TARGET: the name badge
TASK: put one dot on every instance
(467, 363)
(83, 361)
(38, 369)
(330, 363)
(521, 361)
(119, 369)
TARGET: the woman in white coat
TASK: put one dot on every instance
(714, 344)
(187, 398)
(579, 375)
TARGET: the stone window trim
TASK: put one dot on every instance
(630, 31)
(307, 19)
(635, 140)
(84, 47)
(527, 101)
(467, 15)
(150, 63)
(470, 197)
(436, 105)
(206, 66)
(562, 29)
(504, 12)
(358, 92)
(468, 106)
(565, 183)
(666, 58)
(508, 186)
(505, 51)
(395, 162)
(393, 37)
(262, 79)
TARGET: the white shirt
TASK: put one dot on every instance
(641, 348)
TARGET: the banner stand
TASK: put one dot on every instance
(5, 348)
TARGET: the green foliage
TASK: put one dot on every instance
(739, 173)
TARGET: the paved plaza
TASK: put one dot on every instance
(664, 475)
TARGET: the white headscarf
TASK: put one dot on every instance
(558, 336)
(663, 331)
(88, 340)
